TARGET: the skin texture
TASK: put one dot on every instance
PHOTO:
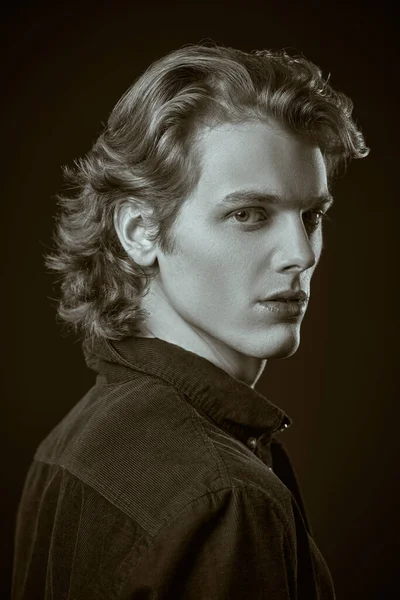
(228, 258)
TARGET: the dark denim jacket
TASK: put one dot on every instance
(165, 481)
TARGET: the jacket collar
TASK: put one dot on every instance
(233, 405)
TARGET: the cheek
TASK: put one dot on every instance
(209, 267)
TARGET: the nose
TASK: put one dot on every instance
(295, 250)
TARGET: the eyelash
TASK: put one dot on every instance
(256, 225)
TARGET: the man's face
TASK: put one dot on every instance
(231, 257)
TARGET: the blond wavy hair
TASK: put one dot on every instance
(149, 154)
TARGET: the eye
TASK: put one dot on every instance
(313, 218)
(242, 215)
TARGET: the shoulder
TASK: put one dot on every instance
(142, 446)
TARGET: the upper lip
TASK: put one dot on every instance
(288, 295)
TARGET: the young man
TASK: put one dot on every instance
(186, 257)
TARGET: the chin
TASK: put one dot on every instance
(281, 342)
(283, 352)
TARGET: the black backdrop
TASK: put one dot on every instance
(66, 64)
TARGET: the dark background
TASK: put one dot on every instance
(65, 67)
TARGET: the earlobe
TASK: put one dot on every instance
(132, 228)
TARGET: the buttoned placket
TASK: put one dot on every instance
(261, 446)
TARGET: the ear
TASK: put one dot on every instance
(132, 227)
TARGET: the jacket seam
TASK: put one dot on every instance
(233, 488)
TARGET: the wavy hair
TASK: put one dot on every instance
(149, 154)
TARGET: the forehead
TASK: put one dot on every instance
(260, 156)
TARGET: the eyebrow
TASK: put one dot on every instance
(236, 198)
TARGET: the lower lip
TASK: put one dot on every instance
(291, 308)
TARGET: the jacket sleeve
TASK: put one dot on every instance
(231, 544)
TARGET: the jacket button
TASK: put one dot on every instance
(252, 443)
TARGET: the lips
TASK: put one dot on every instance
(287, 296)
(287, 305)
